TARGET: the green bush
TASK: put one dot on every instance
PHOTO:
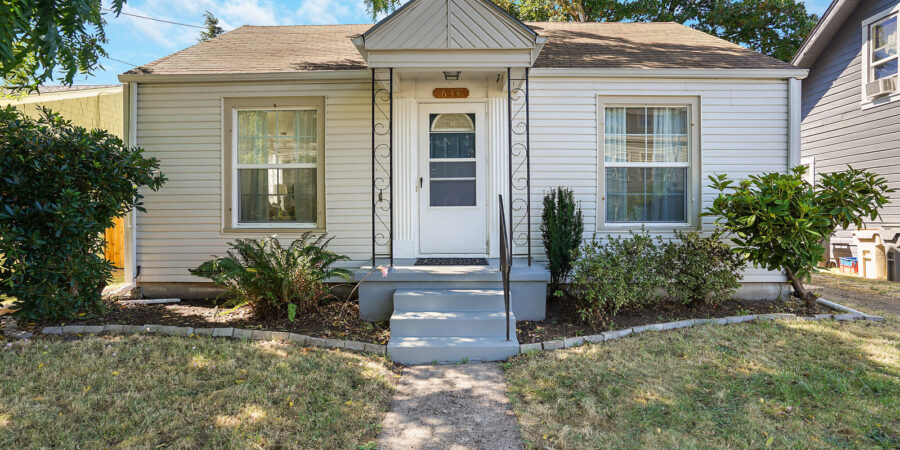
(561, 230)
(778, 221)
(61, 186)
(617, 273)
(700, 269)
(274, 280)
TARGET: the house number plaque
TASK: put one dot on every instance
(451, 93)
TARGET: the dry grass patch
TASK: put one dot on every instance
(835, 279)
(143, 391)
(782, 384)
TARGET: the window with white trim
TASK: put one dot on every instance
(880, 79)
(883, 48)
(276, 167)
(647, 157)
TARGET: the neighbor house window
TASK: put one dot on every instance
(880, 58)
(883, 48)
(276, 171)
(647, 157)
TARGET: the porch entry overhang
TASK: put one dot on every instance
(428, 200)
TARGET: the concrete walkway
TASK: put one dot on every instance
(451, 406)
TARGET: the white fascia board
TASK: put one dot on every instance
(350, 74)
(828, 25)
(777, 74)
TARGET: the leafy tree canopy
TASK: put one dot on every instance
(40, 37)
(773, 27)
(212, 27)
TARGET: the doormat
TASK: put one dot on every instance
(451, 262)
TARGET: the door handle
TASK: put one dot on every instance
(421, 180)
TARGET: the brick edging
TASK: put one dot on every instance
(849, 314)
(234, 333)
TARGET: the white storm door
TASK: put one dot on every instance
(452, 185)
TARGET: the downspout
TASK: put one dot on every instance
(130, 111)
(794, 105)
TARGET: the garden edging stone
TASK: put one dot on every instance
(235, 333)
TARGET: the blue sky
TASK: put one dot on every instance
(139, 41)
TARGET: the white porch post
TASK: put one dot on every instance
(405, 177)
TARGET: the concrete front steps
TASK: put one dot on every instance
(450, 325)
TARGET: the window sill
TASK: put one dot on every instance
(265, 230)
(872, 103)
(652, 227)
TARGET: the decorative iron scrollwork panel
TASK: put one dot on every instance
(519, 191)
(382, 165)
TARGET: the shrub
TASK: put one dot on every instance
(700, 269)
(561, 229)
(61, 186)
(620, 272)
(778, 221)
(271, 278)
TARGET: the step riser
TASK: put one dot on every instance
(427, 355)
(493, 327)
(449, 302)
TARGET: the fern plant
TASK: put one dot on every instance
(561, 229)
(271, 278)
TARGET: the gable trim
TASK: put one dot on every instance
(822, 33)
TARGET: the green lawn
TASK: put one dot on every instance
(145, 392)
(779, 384)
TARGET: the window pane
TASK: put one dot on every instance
(637, 194)
(886, 69)
(277, 137)
(452, 145)
(884, 39)
(635, 120)
(277, 195)
(453, 169)
(452, 193)
(453, 122)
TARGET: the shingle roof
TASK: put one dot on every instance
(74, 87)
(258, 49)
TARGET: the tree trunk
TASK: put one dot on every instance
(800, 291)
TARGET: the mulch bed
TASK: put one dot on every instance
(329, 322)
(563, 321)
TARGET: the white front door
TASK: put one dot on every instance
(452, 172)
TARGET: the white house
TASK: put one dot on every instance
(398, 139)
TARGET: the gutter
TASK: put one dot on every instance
(775, 74)
(349, 74)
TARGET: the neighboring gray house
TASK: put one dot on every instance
(851, 104)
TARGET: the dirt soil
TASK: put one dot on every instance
(460, 406)
(329, 322)
(871, 295)
(563, 320)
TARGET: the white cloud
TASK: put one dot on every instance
(248, 12)
(322, 12)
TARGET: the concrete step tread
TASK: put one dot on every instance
(451, 341)
(446, 292)
(451, 315)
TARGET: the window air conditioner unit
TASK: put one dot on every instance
(882, 87)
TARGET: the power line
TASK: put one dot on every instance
(158, 20)
(123, 62)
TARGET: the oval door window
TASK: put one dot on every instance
(452, 160)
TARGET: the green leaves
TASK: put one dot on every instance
(561, 228)
(274, 279)
(38, 38)
(778, 220)
(62, 186)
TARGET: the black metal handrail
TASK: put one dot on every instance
(505, 262)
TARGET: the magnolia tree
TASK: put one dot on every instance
(779, 221)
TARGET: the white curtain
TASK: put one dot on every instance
(664, 145)
(615, 134)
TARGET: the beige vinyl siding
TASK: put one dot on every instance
(743, 130)
(181, 124)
